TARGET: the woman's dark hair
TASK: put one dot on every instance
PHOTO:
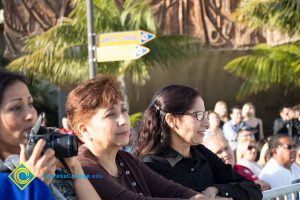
(154, 134)
(8, 78)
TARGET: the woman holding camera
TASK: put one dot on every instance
(99, 117)
(172, 131)
(17, 117)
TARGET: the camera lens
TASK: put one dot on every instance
(65, 145)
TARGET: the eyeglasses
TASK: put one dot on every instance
(198, 115)
(250, 147)
(288, 147)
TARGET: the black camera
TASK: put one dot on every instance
(64, 145)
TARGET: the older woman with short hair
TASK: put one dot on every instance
(99, 116)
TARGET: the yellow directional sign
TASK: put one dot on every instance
(122, 52)
(124, 38)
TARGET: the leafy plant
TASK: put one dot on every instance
(60, 54)
(135, 119)
(268, 65)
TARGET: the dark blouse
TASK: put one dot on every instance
(257, 132)
(135, 181)
(201, 170)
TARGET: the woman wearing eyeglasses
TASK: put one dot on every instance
(98, 114)
(170, 140)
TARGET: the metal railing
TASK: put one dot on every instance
(290, 192)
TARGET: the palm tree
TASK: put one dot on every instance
(269, 65)
(283, 16)
(60, 54)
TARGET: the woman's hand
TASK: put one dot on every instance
(74, 165)
(43, 166)
(264, 185)
(203, 197)
(211, 192)
(83, 187)
(198, 196)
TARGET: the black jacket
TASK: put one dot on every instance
(202, 170)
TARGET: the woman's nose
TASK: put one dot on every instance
(205, 122)
(124, 119)
(31, 114)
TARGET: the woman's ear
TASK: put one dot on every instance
(86, 136)
(171, 120)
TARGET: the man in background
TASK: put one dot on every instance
(219, 145)
(277, 172)
(231, 127)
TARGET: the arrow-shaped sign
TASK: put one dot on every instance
(122, 52)
(124, 38)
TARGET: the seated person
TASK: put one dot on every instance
(214, 125)
(248, 112)
(222, 110)
(98, 115)
(17, 117)
(231, 127)
(219, 145)
(296, 165)
(248, 156)
(245, 135)
(170, 140)
(286, 124)
(277, 172)
(66, 126)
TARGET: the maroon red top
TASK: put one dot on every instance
(245, 171)
(135, 181)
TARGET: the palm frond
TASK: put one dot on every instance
(60, 54)
(137, 14)
(270, 14)
(267, 66)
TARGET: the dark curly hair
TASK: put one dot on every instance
(154, 134)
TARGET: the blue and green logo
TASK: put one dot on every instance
(21, 176)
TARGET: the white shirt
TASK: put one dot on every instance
(276, 175)
(255, 167)
(296, 170)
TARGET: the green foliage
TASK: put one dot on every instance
(267, 66)
(270, 14)
(137, 15)
(60, 54)
(135, 119)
